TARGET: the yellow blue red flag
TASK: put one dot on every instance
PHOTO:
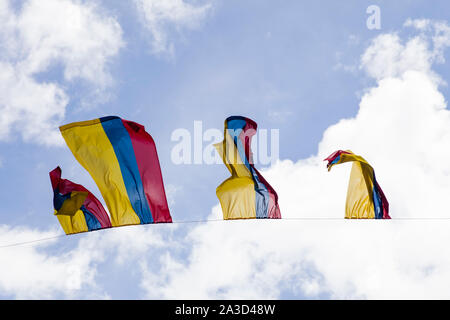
(246, 194)
(77, 209)
(365, 199)
(121, 157)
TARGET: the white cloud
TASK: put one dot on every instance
(162, 17)
(52, 268)
(171, 193)
(27, 272)
(420, 24)
(403, 129)
(279, 115)
(73, 35)
(388, 56)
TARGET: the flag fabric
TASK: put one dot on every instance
(77, 209)
(365, 199)
(122, 159)
(246, 194)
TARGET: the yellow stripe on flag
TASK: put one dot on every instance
(91, 147)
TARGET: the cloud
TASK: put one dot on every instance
(171, 193)
(403, 129)
(162, 17)
(55, 268)
(68, 34)
(388, 56)
(28, 272)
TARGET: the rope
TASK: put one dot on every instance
(218, 220)
(31, 241)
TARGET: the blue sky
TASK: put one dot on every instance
(294, 66)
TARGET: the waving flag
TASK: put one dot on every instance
(76, 208)
(365, 199)
(246, 194)
(122, 159)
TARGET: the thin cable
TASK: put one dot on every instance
(222, 220)
(31, 241)
(196, 221)
(103, 229)
(429, 218)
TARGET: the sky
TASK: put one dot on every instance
(313, 70)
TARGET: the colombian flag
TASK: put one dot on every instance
(365, 199)
(246, 194)
(77, 209)
(122, 159)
